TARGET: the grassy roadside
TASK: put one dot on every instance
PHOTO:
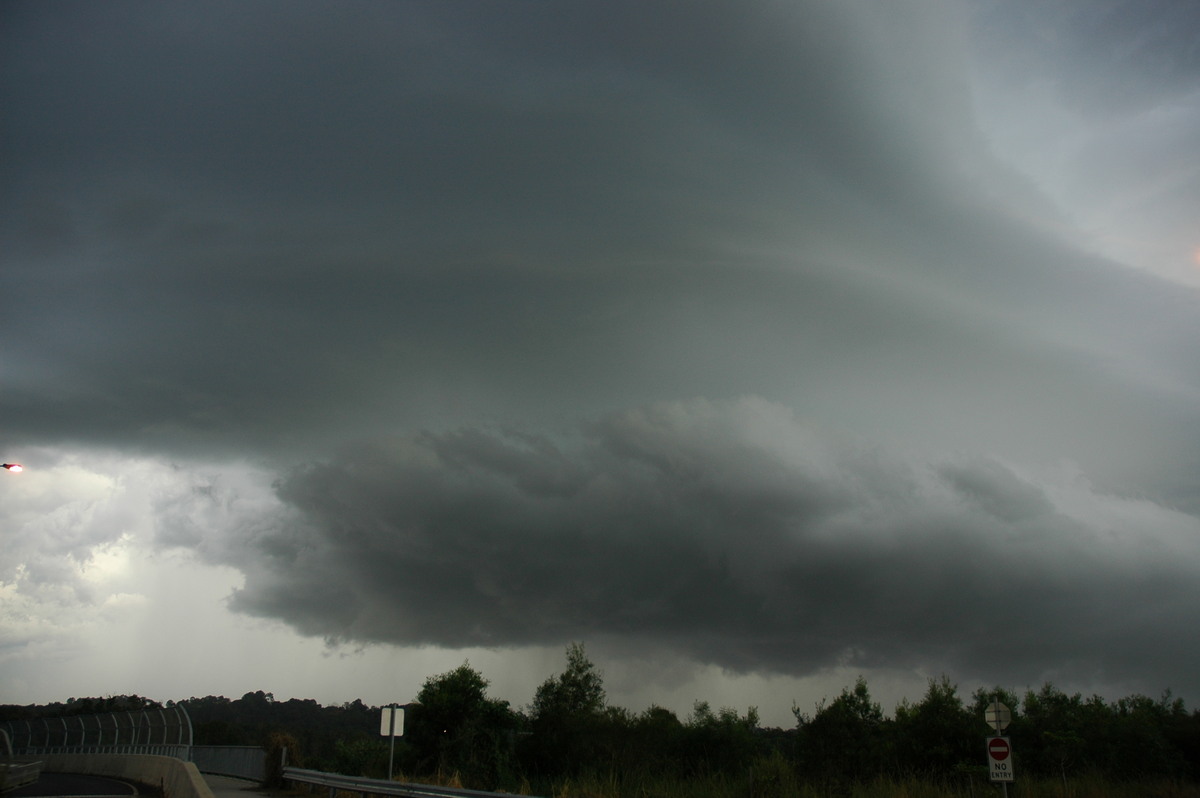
(724, 787)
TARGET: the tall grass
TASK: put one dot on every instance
(774, 776)
(612, 785)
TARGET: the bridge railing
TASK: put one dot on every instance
(183, 752)
(163, 731)
(166, 726)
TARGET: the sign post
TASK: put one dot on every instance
(999, 751)
(391, 724)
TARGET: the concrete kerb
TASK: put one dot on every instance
(176, 778)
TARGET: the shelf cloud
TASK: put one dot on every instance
(772, 337)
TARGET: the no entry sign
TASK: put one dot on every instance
(999, 759)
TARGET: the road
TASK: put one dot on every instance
(71, 784)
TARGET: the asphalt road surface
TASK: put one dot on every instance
(72, 784)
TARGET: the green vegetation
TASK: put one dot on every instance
(457, 730)
(571, 743)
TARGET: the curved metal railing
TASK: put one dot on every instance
(166, 731)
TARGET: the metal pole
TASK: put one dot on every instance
(996, 709)
(392, 734)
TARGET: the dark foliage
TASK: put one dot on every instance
(457, 731)
(317, 730)
(844, 739)
(570, 731)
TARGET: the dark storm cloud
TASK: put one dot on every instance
(1144, 49)
(257, 232)
(735, 536)
(274, 216)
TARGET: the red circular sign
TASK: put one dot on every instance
(998, 749)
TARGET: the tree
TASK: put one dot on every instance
(1140, 741)
(721, 742)
(657, 742)
(844, 742)
(983, 697)
(577, 692)
(1052, 736)
(938, 735)
(456, 728)
(567, 716)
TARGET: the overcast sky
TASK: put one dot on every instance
(757, 345)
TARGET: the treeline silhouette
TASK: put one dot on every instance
(571, 734)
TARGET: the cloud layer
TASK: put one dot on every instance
(779, 336)
(730, 534)
(517, 216)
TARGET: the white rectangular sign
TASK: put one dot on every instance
(385, 722)
(999, 759)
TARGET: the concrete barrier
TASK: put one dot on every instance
(176, 778)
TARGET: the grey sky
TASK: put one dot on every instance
(787, 339)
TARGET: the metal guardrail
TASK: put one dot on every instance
(336, 782)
